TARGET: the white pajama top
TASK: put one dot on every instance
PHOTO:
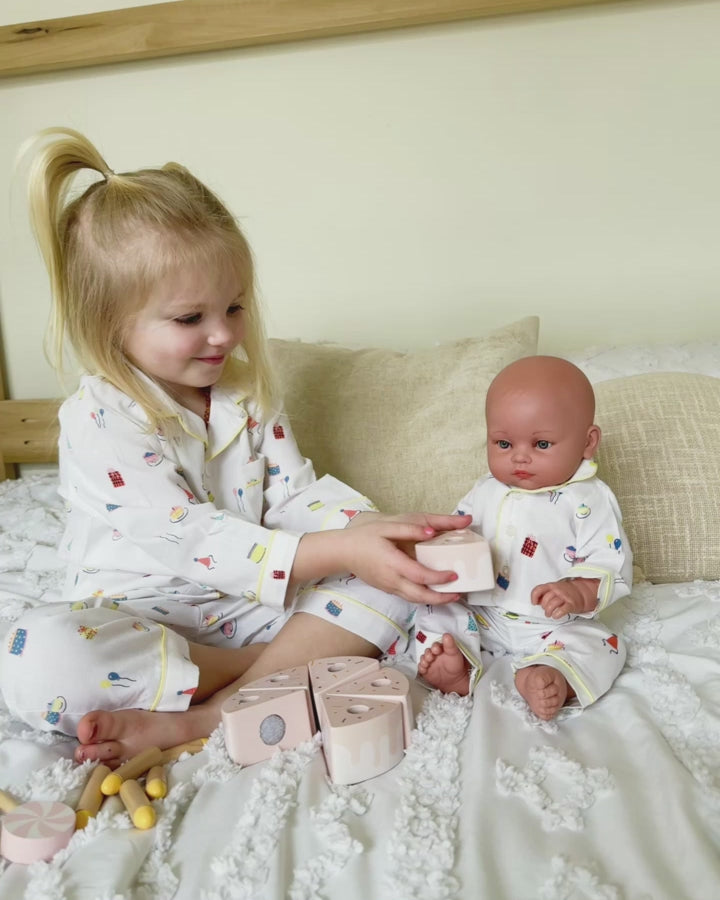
(217, 509)
(572, 530)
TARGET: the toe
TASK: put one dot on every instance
(96, 726)
(549, 693)
(102, 726)
(448, 644)
(87, 728)
(108, 752)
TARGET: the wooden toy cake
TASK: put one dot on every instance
(462, 551)
(361, 708)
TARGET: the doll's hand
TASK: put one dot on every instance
(571, 595)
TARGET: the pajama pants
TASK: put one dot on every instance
(63, 660)
(584, 651)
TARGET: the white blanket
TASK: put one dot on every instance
(620, 802)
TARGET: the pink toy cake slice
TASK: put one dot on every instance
(332, 671)
(385, 684)
(295, 677)
(362, 737)
(258, 722)
(463, 552)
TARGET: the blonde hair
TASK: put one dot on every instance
(106, 249)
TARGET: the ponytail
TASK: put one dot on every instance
(51, 174)
(108, 247)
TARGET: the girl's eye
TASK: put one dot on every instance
(504, 445)
(543, 445)
(189, 320)
(235, 309)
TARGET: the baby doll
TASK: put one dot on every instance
(560, 555)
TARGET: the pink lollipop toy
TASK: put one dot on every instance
(35, 830)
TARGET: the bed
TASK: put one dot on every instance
(620, 802)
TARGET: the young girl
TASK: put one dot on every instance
(202, 552)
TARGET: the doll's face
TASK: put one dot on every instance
(539, 419)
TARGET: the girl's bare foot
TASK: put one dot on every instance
(113, 737)
(444, 667)
(544, 689)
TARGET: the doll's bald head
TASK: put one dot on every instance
(540, 414)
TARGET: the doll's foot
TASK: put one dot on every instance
(444, 667)
(544, 689)
(113, 737)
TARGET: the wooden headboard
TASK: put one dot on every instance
(191, 26)
(28, 432)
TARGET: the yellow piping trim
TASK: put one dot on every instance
(190, 433)
(264, 565)
(239, 431)
(319, 590)
(567, 665)
(556, 487)
(225, 446)
(203, 440)
(605, 576)
(475, 663)
(163, 669)
(498, 518)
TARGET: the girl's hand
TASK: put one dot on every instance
(370, 547)
(571, 595)
(430, 523)
(385, 556)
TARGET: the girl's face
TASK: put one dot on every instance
(184, 334)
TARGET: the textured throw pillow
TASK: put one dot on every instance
(406, 429)
(660, 453)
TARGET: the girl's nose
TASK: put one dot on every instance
(220, 334)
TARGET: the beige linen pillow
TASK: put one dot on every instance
(406, 429)
(660, 453)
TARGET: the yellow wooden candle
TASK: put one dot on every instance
(7, 803)
(173, 753)
(136, 803)
(156, 783)
(92, 797)
(133, 768)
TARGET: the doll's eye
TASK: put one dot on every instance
(504, 445)
(543, 445)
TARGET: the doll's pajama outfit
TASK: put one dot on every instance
(572, 530)
(174, 539)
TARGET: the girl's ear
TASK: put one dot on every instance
(593, 441)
